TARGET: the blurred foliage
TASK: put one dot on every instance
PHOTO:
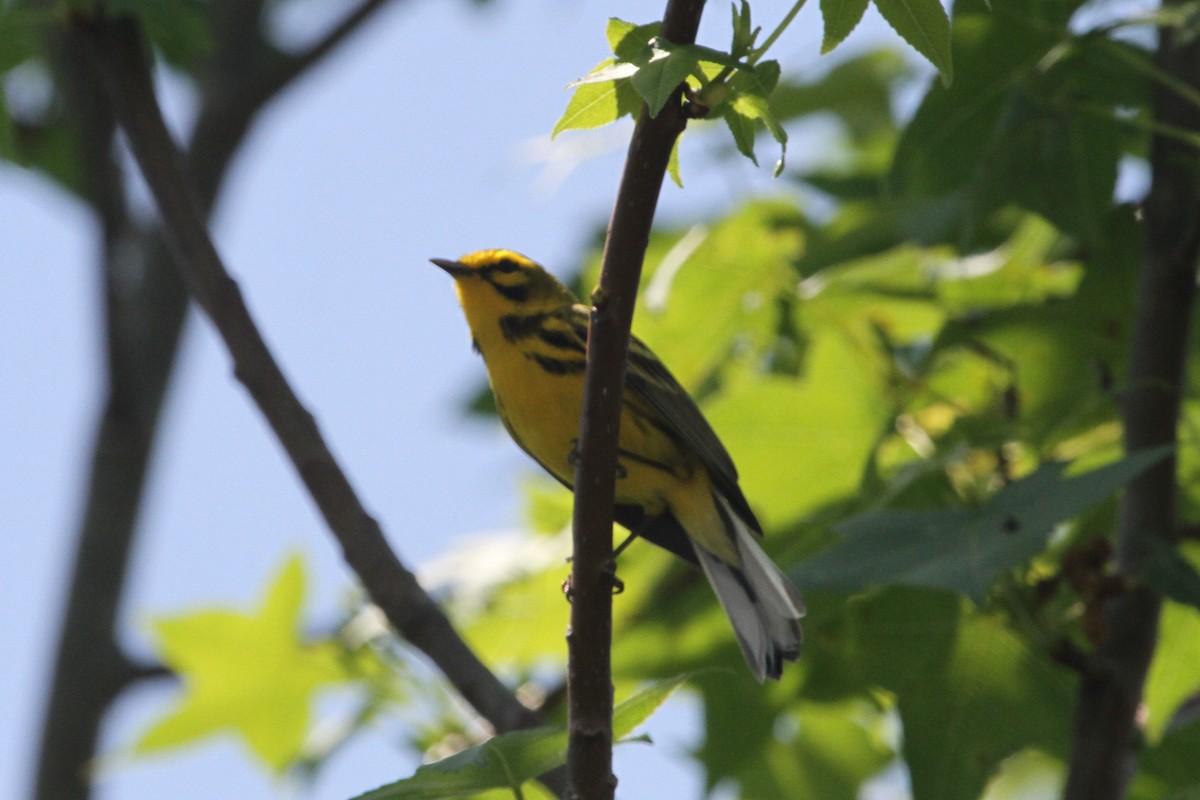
(511, 760)
(255, 674)
(901, 350)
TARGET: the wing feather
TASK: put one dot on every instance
(650, 384)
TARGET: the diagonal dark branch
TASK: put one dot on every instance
(1102, 757)
(590, 693)
(119, 53)
(144, 319)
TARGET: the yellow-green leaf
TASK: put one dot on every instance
(246, 673)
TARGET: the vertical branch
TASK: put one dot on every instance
(589, 679)
(1111, 689)
(143, 325)
(143, 320)
(118, 48)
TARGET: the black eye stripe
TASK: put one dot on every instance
(517, 294)
(503, 265)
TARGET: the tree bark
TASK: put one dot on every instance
(1102, 757)
(143, 322)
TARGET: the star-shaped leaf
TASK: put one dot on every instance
(246, 673)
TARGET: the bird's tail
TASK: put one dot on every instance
(761, 602)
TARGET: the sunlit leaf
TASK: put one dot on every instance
(595, 104)
(249, 674)
(629, 41)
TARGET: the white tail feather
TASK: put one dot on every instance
(762, 604)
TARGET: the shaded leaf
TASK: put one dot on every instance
(841, 17)
(1170, 769)
(657, 79)
(1172, 575)
(969, 691)
(963, 550)
(925, 26)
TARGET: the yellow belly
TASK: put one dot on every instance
(541, 411)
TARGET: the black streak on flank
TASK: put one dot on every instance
(558, 366)
(562, 340)
(516, 327)
(517, 294)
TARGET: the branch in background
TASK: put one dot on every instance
(589, 642)
(119, 51)
(1102, 757)
(143, 324)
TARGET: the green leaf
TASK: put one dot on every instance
(925, 26)
(1169, 769)
(753, 107)
(629, 41)
(8, 133)
(822, 427)
(776, 745)
(1175, 670)
(249, 674)
(841, 17)
(595, 104)
(964, 549)
(1172, 575)
(608, 71)
(743, 129)
(523, 620)
(673, 163)
(662, 75)
(21, 32)
(969, 691)
(512, 759)
(744, 34)
(711, 290)
(747, 104)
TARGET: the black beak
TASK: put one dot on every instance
(453, 267)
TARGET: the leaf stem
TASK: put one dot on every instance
(759, 52)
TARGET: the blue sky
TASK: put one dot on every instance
(416, 139)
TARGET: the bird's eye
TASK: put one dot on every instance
(506, 265)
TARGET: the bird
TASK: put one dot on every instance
(676, 487)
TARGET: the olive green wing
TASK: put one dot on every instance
(648, 381)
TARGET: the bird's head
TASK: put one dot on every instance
(496, 280)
